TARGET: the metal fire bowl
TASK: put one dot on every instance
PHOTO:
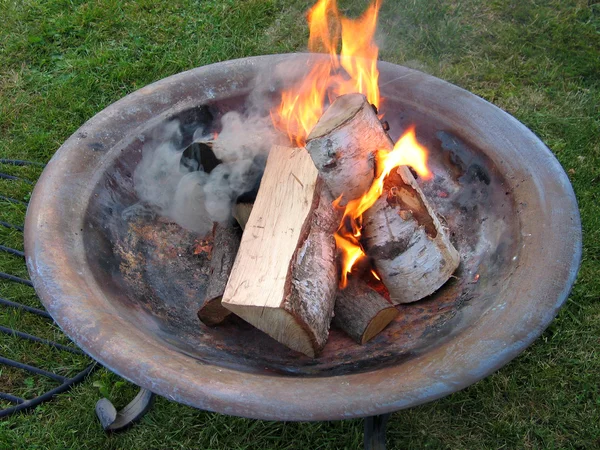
(125, 284)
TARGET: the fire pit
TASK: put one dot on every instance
(125, 285)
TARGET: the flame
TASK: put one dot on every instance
(356, 70)
(407, 151)
(359, 55)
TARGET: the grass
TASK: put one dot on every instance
(62, 61)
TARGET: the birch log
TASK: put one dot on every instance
(404, 237)
(284, 279)
(409, 247)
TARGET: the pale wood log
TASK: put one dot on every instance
(406, 240)
(361, 312)
(284, 278)
(226, 242)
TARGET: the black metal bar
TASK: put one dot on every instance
(32, 369)
(12, 200)
(48, 395)
(375, 432)
(10, 225)
(113, 420)
(39, 312)
(20, 162)
(56, 345)
(12, 251)
(11, 398)
(21, 404)
(6, 176)
(10, 277)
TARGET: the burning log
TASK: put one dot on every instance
(361, 312)
(225, 247)
(284, 279)
(343, 144)
(404, 237)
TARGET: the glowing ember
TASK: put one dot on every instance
(407, 151)
(356, 70)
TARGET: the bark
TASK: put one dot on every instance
(343, 144)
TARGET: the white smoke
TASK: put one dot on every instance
(189, 196)
(193, 198)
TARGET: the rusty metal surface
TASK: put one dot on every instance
(125, 283)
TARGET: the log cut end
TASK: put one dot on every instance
(381, 320)
(241, 213)
(361, 312)
(279, 324)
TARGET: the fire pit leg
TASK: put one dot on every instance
(375, 432)
(113, 420)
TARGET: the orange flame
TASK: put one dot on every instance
(407, 151)
(359, 55)
(356, 71)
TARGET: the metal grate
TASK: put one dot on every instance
(60, 383)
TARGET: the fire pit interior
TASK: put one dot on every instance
(126, 282)
(158, 272)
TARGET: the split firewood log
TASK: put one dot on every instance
(402, 234)
(361, 312)
(226, 242)
(284, 279)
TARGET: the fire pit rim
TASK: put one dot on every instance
(52, 247)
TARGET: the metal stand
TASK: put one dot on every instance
(15, 402)
(375, 432)
(113, 420)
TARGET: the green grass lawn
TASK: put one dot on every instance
(62, 61)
